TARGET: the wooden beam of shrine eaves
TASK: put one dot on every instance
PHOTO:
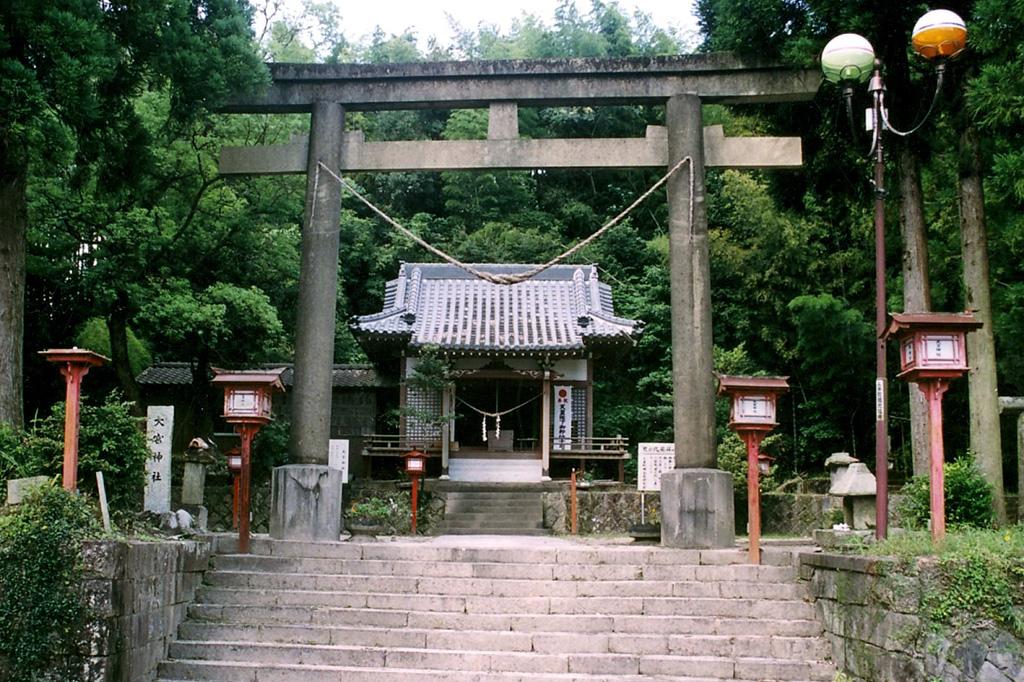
(517, 154)
(717, 77)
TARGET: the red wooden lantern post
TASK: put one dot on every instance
(752, 416)
(247, 405)
(234, 457)
(74, 364)
(933, 352)
(415, 466)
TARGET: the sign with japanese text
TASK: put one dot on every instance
(653, 459)
(563, 418)
(337, 457)
(159, 427)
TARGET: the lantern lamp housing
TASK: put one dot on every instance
(248, 395)
(234, 457)
(764, 463)
(932, 345)
(939, 34)
(415, 462)
(848, 57)
(753, 400)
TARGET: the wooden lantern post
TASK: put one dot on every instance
(74, 363)
(933, 352)
(234, 457)
(415, 466)
(752, 416)
(248, 401)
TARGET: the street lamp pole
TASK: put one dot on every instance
(849, 59)
(876, 87)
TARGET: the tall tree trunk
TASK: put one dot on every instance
(117, 327)
(916, 288)
(981, 349)
(13, 221)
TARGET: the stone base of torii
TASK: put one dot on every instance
(697, 500)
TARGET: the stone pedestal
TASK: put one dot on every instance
(306, 503)
(697, 509)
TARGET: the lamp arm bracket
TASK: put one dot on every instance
(940, 73)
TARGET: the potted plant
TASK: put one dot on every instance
(367, 517)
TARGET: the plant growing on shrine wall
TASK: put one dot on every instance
(42, 609)
(430, 377)
(968, 497)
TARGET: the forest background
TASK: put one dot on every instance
(136, 248)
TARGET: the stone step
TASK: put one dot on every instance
(501, 531)
(505, 569)
(469, 515)
(469, 660)
(226, 544)
(660, 606)
(221, 671)
(496, 496)
(764, 646)
(485, 520)
(496, 524)
(504, 588)
(580, 623)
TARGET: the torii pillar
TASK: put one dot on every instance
(696, 497)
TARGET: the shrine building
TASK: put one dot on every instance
(520, 362)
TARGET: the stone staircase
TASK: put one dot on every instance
(496, 609)
(494, 510)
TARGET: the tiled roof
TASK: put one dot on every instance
(180, 373)
(563, 309)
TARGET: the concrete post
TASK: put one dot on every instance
(318, 284)
(697, 498)
(690, 279)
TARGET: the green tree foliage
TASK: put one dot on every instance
(71, 74)
(42, 609)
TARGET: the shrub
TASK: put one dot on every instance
(109, 440)
(374, 510)
(968, 498)
(41, 608)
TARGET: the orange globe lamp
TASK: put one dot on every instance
(939, 34)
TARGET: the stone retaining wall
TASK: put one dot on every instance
(871, 613)
(139, 592)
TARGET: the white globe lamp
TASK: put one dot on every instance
(848, 57)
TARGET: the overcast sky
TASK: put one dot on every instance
(428, 17)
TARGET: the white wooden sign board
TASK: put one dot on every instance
(159, 427)
(337, 457)
(563, 418)
(653, 459)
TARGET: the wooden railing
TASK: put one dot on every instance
(596, 447)
(393, 445)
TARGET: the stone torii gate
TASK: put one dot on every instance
(696, 497)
